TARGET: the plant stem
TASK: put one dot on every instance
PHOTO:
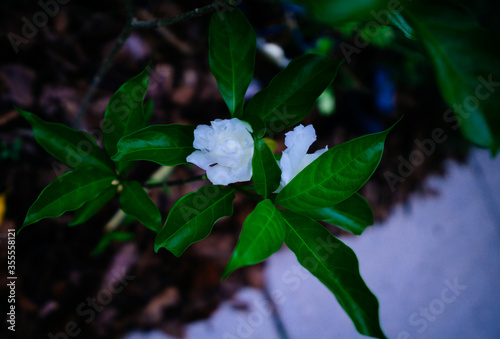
(120, 41)
(169, 21)
(278, 322)
(247, 193)
(176, 182)
(132, 24)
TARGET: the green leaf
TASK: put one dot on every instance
(336, 266)
(167, 145)
(232, 56)
(75, 149)
(258, 126)
(108, 238)
(91, 207)
(466, 59)
(335, 175)
(134, 201)
(148, 111)
(192, 217)
(263, 234)
(292, 93)
(125, 113)
(464, 53)
(68, 192)
(353, 214)
(265, 169)
(338, 11)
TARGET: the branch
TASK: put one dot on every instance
(245, 192)
(132, 24)
(120, 41)
(278, 322)
(184, 16)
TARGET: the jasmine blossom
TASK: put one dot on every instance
(224, 150)
(295, 157)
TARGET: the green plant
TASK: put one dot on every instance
(458, 44)
(288, 211)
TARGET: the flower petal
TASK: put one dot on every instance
(295, 158)
(298, 142)
(224, 150)
(220, 175)
(308, 158)
(244, 171)
(204, 137)
(201, 159)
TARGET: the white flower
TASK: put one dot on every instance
(295, 157)
(225, 151)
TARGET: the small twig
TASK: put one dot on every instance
(120, 41)
(132, 24)
(167, 34)
(278, 322)
(245, 192)
(176, 182)
(169, 21)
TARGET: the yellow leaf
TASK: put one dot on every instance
(271, 143)
(2, 206)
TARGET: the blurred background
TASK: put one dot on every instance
(48, 68)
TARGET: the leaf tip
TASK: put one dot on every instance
(118, 155)
(22, 112)
(393, 125)
(227, 272)
(74, 223)
(26, 222)
(494, 150)
(174, 251)
(358, 232)
(177, 252)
